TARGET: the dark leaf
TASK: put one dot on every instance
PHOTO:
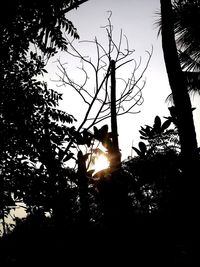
(143, 133)
(104, 129)
(157, 124)
(95, 131)
(165, 125)
(137, 151)
(142, 147)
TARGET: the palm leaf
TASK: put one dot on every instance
(189, 60)
(193, 81)
(193, 84)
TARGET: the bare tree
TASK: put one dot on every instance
(99, 102)
(112, 96)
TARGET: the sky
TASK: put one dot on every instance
(137, 19)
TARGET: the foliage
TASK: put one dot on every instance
(32, 128)
(186, 16)
(148, 180)
(32, 131)
(155, 169)
(37, 23)
(186, 27)
(159, 137)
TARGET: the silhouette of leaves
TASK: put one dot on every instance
(165, 125)
(59, 115)
(157, 125)
(142, 147)
(101, 134)
(142, 151)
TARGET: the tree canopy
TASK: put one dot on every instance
(32, 126)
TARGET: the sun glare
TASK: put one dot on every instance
(101, 162)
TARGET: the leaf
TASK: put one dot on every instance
(148, 130)
(137, 151)
(95, 131)
(103, 132)
(157, 124)
(142, 133)
(157, 121)
(165, 125)
(144, 138)
(104, 129)
(45, 71)
(142, 147)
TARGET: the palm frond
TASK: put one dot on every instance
(187, 29)
(158, 22)
(190, 61)
(193, 84)
(193, 81)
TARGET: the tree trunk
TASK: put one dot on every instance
(116, 155)
(83, 190)
(177, 83)
(185, 204)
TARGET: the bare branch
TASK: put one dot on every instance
(98, 101)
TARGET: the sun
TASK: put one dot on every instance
(101, 163)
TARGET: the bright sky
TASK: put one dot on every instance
(137, 20)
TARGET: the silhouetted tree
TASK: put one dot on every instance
(186, 28)
(185, 205)
(83, 189)
(115, 155)
(156, 168)
(98, 104)
(178, 84)
(31, 133)
(106, 103)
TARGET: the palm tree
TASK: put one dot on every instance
(186, 16)
(177, 82)
(187, 28)
(186, 206)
